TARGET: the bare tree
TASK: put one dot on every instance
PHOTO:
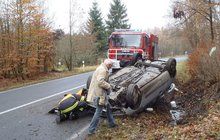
(196, 14)
(200, 21)
(75, 13)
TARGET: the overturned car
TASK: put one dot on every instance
(141, 84)
(138, 85)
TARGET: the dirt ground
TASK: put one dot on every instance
(200, 101)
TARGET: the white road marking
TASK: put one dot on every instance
(56, 94)
(76, 135)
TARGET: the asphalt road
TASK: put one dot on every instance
(23, 111)
(178, 59)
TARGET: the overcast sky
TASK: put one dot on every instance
(142, 14)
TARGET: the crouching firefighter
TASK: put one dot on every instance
(71, 106)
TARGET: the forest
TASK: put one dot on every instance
(29, 45)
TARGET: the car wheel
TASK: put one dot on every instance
(133, 96)
(171, 67)
(88, 82)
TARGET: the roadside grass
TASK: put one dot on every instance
(171, 56)
(6, 84)
(182, 72)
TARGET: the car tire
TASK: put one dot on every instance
(88, 82)
(133, 96)
(171, 67)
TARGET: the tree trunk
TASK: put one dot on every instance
(211, 21)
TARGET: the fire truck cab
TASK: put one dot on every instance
(125, 43)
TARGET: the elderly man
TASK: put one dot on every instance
(97, 95)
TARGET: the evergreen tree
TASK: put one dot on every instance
(96, 27)
(117, 17)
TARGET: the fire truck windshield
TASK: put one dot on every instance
(126, 40)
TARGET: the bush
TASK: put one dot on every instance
(203, 66)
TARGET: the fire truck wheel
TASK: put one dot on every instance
(171, 67)
(133, 96)
(88, 82)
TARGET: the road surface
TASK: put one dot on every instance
(23, 111)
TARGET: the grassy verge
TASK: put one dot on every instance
(6, 84)
(182, 72)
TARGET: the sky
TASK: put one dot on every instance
(142, 14)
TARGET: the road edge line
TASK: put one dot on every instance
(76, 135)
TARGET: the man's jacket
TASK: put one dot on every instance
(98, 85)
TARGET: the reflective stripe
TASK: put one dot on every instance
(82, 98)
(80, 92)
(81, 109)
(69, 95)
(70, 108)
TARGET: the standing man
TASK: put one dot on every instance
(97, 95)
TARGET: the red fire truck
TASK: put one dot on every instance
(124, 43)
